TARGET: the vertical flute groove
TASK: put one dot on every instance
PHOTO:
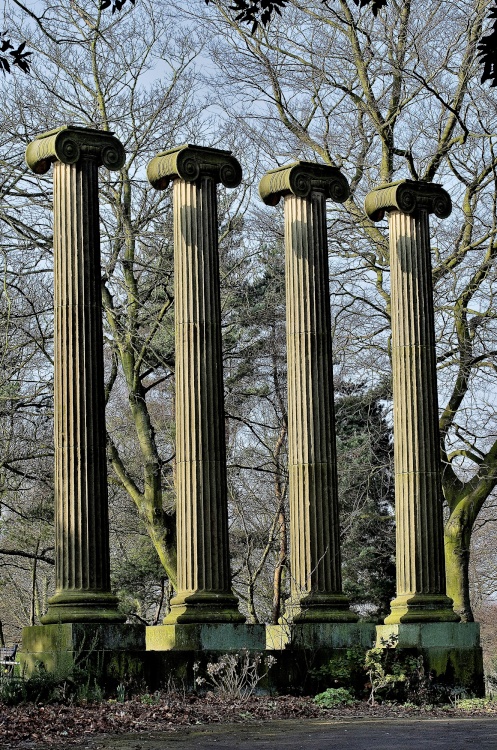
(82, 537)
(81, 490)
(82, 567)
(418, 490)
(204, 577)
(316, 589)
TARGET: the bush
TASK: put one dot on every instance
(234, 676)
(334, 697)
(78, 685)
(400, 675)
(344, 670)
(386, 671)
(474, 704)
(12, 691)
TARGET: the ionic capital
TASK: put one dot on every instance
(300, 179)
(408, 197)
(189, 163)
(70, 143)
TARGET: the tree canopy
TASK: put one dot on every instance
(256, 12)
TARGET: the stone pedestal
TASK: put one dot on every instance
(204, 581)
(451, 651)
(316, 582)
(220, 637)
(81, 505)
(109, 652)
(320, 635)
(421, 586)
(300, 651)
(182, 652)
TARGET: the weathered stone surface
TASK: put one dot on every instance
(70, 144)
(451, 651)
(204, 579)
(81, 636)
(316, 635)
(421, 588)
(81, 506)
(222, 637)
(409, 197)
(108, 651)
(301, 178)
(189, 163)
(316, 587)
(431, 634)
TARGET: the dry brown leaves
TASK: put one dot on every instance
(39, 726)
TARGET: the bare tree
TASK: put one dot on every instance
(102, 80)
(384, 99)
(133, 74)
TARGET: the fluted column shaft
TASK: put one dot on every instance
(82, 573)
(202, 502)
(421, 589)
(316, 581)
(204, 579)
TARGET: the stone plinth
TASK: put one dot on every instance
(319, 635)
(109, 652)
(222, 637)
(81, 507)
(451, 650)
(316, 582)
(204, 580)
(181, 652)
(302, 649)
(421, 587)
(184, 651)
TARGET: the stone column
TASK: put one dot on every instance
(81, 504)
(316, 580)
(421, 589)
(204, 580)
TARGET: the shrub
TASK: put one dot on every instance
(344, 670)
(474, 704)
(334, 697)
(234, 676)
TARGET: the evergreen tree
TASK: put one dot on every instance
(365, 475)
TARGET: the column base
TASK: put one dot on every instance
(421, 608)
(203, 607)
(320, 608)
(451, 651)
(82, 606)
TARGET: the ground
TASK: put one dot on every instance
(180, 721)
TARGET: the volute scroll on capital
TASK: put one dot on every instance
(190, 163)
(69, 143)
(408, 197)
(301, 178)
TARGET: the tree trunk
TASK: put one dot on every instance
(457, 534)
(33, 585)
(252, 613)
(280, 567)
